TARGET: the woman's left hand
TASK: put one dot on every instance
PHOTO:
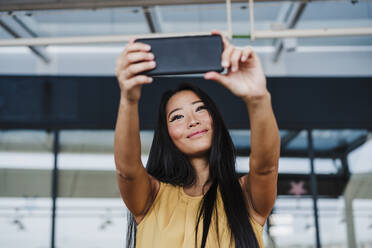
(245, 77)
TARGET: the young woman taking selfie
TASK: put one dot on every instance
(189, 194)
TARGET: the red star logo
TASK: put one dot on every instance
(297, 189)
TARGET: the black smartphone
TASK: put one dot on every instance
(185, 54)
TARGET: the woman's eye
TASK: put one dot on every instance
(201, 108)
(176, 117)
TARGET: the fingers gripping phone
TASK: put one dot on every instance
(185, 55)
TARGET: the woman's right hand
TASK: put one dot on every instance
(135, 59)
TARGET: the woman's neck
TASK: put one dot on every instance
(201, 167)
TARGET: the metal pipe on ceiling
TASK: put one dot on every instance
(259, 34)
(251, 20)
(229, 21)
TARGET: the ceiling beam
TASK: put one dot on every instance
(18, 29)
(294, 13)
(22, 5)
(152, 16)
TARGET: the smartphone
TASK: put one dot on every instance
(185, 54)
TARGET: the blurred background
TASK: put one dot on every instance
(59, 97)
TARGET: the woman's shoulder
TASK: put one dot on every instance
(158, 186)
(155, 185)
(156, 189)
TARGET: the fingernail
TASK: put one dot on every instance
(234, 69)
(225, 64)
(151, 56)
(152, 63)
(150, 79)
(244, 58)
(148, 48)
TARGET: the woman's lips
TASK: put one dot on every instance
(197, 132)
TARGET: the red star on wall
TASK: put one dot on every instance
(297, 189)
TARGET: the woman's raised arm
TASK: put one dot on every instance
(261, 182)
(245, 78)
(135, 184)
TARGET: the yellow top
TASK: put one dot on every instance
(171, 220)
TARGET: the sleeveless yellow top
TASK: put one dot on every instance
(170, 222)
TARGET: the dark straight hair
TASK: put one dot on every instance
(168, 164)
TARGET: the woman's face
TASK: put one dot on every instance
(190, 125)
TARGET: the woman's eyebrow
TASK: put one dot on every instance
(176, 109)
(196, 102)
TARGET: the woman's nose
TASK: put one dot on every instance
(194, 123)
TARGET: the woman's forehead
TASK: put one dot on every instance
(182, 98)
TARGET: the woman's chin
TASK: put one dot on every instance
(199, 151)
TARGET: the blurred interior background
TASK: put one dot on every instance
(58, 106)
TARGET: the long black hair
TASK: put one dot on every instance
(162, 161)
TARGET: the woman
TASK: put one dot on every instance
(189, 195)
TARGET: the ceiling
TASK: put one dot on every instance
(201, 17)
(132, 20)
